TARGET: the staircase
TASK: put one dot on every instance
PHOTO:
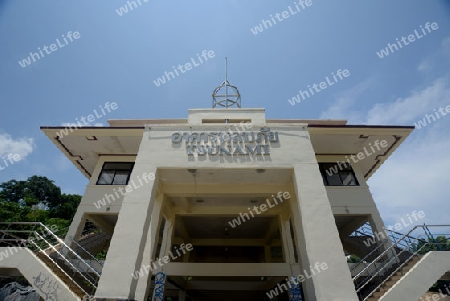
(393, 279)
(356, 245)
(91, 243)
(392, 264)
(56, 257)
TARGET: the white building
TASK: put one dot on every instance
(225, 205)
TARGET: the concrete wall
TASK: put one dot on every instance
(47, 284)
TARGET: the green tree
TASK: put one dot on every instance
(13, 212)
(353, 259)
(12, 191)
(438, 243)
(40, 190)
(66, 207)
(37, 199)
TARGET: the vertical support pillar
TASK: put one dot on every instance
(319, 244)
(167, 238)
(76, 227)
(288, 246)
(307, 286)
(144, 281)
(379, 231)
(288, 249)
(127, 245)
(182, 295)
(160, 278)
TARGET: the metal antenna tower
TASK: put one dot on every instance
(226, 100)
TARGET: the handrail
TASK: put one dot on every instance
(396, 244)
(68, 256)
(363, 260)
(382, 254)
(57, 238)
(382, 268)
(68, 261)
(54, 262)
(87, 252)
(399, 268)
(410, 241)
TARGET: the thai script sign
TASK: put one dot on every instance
(228, 143)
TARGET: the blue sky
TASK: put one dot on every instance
(117, 58)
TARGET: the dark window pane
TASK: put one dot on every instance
(334, 180)
(121, 177)
(338, 175)
(347, 178)
(106, 177)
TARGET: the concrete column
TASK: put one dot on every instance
(182, 295)
(160, 278)
(76, 227)
(380, 232)
(142, 288)
(288, 245)
(319, 238)
(127, 245)
(307, 286)
(288, 250)
(167, 238)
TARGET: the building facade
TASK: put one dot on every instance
(227, 204)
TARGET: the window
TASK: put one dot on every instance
(115, 173)
(338, 174)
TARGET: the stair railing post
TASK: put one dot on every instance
(6, 231)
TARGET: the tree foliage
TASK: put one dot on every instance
(37, 199)
(438, 243)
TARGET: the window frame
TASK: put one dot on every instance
(348, 168)
(115, 171)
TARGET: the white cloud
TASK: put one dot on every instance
(62, 163)
(22, 146)
(445, 46)
(345, 101)
(409, 109)
(436, 59)
(424, 66)
(415, 177)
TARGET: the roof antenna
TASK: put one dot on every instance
(226, 100)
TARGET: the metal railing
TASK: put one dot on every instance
(82, 251)
(393, 258)
(389, 236)
(45, 244)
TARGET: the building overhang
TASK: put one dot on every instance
(345, 140)
(84, 145)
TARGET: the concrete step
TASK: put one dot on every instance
(392, 280)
